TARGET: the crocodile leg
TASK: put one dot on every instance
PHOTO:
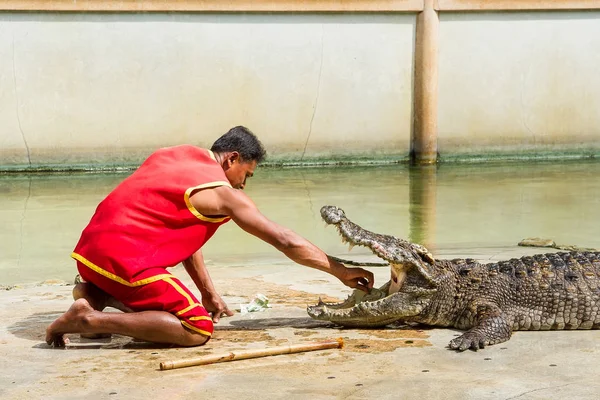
(491, 327)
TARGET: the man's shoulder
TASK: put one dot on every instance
(223, 192)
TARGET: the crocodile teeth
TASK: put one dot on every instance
(320, 303)
(350, 247)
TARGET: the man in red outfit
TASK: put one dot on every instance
(161, 216)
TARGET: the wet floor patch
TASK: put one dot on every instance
(33, 327)
(240, 336)
(376, 345)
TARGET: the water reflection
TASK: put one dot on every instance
(422, 200)
(443, 207)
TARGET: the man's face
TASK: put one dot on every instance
(238, 172)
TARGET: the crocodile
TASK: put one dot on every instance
(552, 291)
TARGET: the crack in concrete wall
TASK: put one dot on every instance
(523, 116)
(317, 95)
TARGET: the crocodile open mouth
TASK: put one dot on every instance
(358, 310)
(380, 306)
(375, 295)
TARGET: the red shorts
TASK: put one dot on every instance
(159, 291)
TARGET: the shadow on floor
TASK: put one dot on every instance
(270, 323)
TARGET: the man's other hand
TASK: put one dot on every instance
(217, 308)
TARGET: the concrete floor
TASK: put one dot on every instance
(390, 363)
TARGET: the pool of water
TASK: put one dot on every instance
(447, 207)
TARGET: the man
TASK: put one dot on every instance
(161, 216)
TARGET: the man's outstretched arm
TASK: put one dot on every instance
(232, 202)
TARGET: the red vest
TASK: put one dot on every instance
(147, 221)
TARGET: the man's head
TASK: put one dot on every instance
(239, 152)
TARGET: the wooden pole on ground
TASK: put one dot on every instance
(424, 134)
(246, 354)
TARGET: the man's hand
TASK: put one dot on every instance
(214, 304)
(356, 278)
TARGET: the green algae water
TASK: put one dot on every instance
(446, 207)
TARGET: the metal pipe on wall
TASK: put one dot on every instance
(424, 133)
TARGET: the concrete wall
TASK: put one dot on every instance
(109, 88)
(519, 82)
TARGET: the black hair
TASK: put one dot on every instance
(242, 140)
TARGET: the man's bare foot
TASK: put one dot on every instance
(73, 321)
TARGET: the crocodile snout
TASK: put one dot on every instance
(332, 215)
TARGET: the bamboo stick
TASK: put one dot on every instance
(246, 354)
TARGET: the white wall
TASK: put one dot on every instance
(104, 88)
(519, 82)
(107, 88)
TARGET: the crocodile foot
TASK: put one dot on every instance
(469, 340)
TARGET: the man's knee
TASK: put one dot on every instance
(194, 339)
(201, 339)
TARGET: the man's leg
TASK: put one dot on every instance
(152, 326)
(165, 310)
